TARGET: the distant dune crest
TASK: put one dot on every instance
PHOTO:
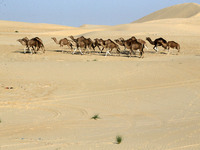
(185, 10)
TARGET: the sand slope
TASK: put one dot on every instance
(185, 10)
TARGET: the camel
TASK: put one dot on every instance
(35, 43)
(89, 43)
(97, 44)
(80, 44)
(101, 43)
(106, 44)
(132, 45)
(110, 45)
(140, 41)
(24, 42)
(157, 42)
(83, 43)
(135, 45)
(143, 42)
(40, 44)
(118, 41)
(172, 44)
(63, 42)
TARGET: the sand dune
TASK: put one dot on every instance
(47, 100)
(185, 10)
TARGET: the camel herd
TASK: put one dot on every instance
(82, 44)
(32, 45)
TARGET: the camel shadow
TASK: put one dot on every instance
(62, 51)
(164, 53)
(21, 52)
(149, 52)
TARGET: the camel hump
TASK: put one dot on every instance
(38, 39)
(164, 41)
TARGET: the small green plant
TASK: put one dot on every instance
(94, 59)
(16, 31)
(118, 139)
(0, 120)
(95, 117)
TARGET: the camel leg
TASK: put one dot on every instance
(130, 53)
(118, 51)
(146, 47)
(29, 49)
(156, 49)
(168, 52)
(74, 50)
(102, 50)
(25, 50)
(80, 51)
(61, 46)
(141, 53)
(107, 52)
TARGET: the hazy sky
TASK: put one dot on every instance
(79, 12)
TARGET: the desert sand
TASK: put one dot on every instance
(47, 100)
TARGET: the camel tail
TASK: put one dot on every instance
(150, 41)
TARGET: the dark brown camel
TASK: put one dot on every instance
(63, 42)
(97, 44)
(101, 43)
(89, 43)
(119, 41)
(35, 43)
(134, 45)
(80, 44)
(140, 41)
(157, 42)
(173, 44)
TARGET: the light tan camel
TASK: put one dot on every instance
(24, 42)
(173, 44)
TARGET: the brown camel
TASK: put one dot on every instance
(118, 41)
(110, 45)
(140, 41)
(157, 42)
(63, 42)
(24, 42)
(101, 43)
(35, 43)
(83, 43)
(134, 45)
(80, 44)
(97, 44)
(172, 44)
(89, 43)
(143, 42)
